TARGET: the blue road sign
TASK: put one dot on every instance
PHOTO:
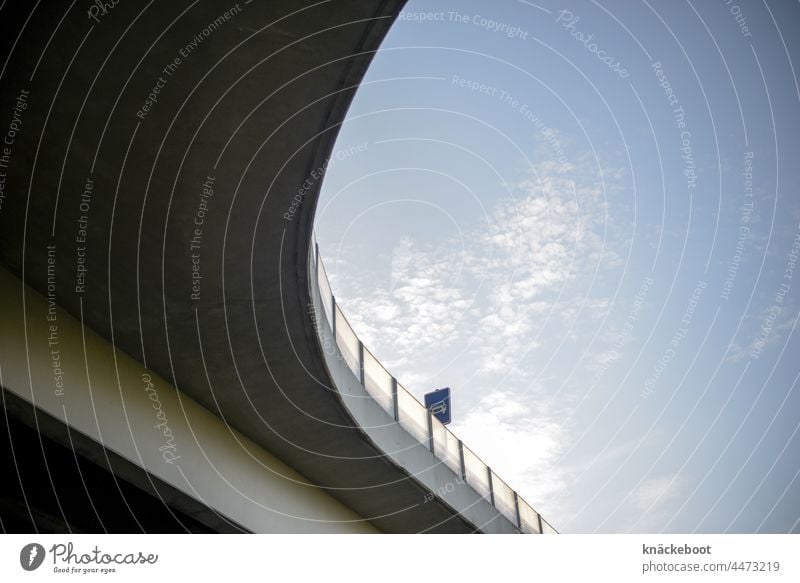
(438, 402)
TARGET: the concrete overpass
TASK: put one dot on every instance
(163, 359)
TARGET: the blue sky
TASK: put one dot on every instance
(584, 218)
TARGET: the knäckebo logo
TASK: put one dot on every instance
(31, 556)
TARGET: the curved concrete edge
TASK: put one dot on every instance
(246, 350)
(319, 445)
(101, 396)
(440, 483)
(116, 465)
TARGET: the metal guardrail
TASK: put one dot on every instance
(412, 415)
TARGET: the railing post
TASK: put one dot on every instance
(430, 430)
(361, 363)
(333, 317)
(491, 486)
(461, 460)
(516, 509)
(395, 404)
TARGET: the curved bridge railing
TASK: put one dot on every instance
(412, 415)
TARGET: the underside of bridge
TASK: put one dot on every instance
(159, 187)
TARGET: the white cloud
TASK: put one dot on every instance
(651, 491)
(764, 332)
(485, 306)
(515, 272)
(520, 442)
(653, 502)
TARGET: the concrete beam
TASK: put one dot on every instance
(72, 375)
